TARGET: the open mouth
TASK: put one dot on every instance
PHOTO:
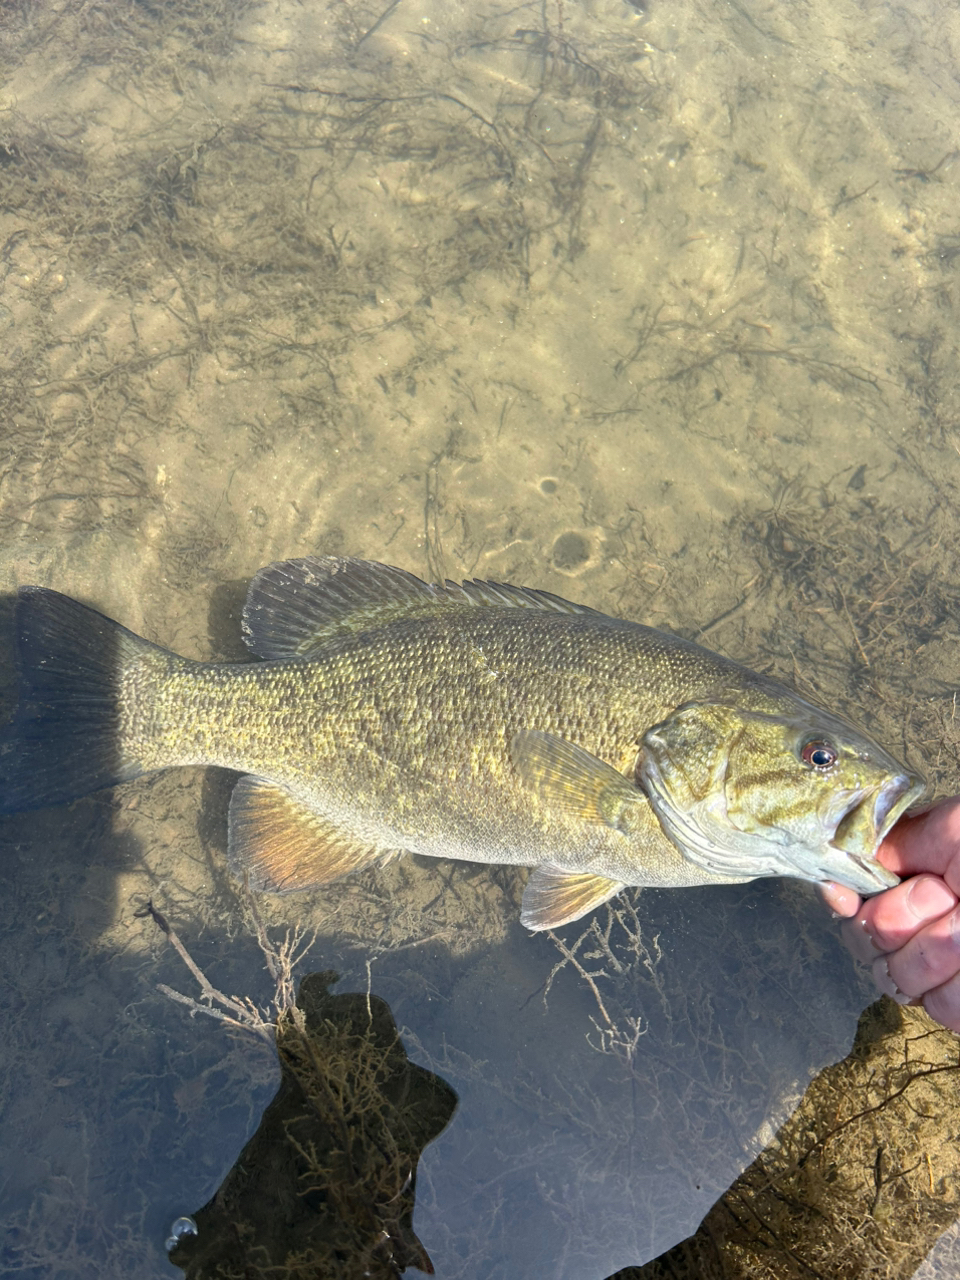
(864, 825)
(870, 816)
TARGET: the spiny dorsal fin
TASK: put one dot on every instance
(282, 846)
(554, 897)
(295, 607)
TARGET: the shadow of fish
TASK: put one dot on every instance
(479, 721)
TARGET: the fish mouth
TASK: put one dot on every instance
(865, 820)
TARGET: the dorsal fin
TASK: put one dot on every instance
(295, 607)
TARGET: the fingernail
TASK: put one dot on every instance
(928, 898)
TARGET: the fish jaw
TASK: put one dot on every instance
(850, 856)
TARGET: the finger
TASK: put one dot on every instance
(841, 900)
(885, 923)
(928, 841)
(943, 1003)
(929, 959)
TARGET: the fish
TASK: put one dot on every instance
(476, 721)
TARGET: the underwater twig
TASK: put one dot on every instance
(620, 963)
(161, 922)
(282, 959)
(926, 174)
(570, 957)
(379, 22)
(644, 335)
(238, 1012)
(853, 631)
(843, 198)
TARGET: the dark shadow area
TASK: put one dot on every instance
(843, 1190)
(224, 622)
(326, 1186)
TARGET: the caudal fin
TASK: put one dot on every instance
(65, 739)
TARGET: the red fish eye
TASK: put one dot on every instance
(819, 755)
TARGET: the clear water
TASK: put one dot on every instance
(652, 307)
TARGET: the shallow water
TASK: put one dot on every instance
(654, 307)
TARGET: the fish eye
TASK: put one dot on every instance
(819, 755)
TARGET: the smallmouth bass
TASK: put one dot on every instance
(480, 721)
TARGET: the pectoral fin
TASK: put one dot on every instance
(281, 845)
(554, 897)
(570, 779)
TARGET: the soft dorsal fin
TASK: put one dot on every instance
(295, 607)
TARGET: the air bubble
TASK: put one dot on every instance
(179, 1229)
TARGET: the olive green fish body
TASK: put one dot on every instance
(482, 722)
(403, 735)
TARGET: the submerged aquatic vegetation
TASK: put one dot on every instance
(327, 1184)
(860, 1180)
(239, 1011)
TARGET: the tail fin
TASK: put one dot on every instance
(65, 739)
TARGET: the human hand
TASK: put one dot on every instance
(910, 934)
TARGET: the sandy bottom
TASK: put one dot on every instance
(654, 308)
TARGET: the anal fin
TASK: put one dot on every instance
(554, 897)
(282, 846)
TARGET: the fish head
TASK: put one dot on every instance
(789, 790)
